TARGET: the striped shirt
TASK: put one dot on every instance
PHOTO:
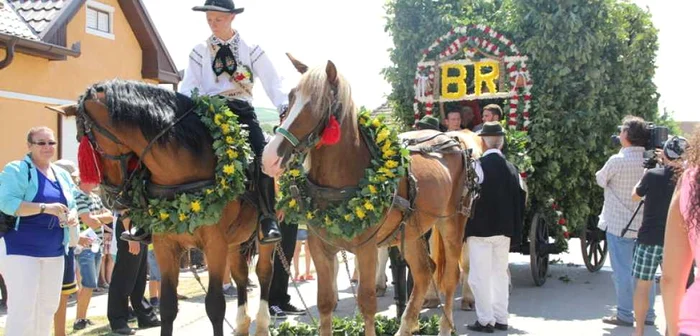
(618, 177)
(91, 204)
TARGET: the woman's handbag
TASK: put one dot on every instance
(8, 222)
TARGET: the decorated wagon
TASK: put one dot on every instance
(474, 66)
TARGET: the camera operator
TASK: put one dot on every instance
(618, 176)
(656, 187)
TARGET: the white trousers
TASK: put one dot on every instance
(488, 277)
(34, 292)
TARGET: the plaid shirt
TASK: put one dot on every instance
(618, 177)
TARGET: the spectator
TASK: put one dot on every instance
(454, 121)
(491, 112)
(618, 176)
(93, 216)
(428, 122)
(681, 246)
(497, 223)
(656, 187)
(153, 278)
(32, 254)
(280, 305)
(467, 118)
(302, 235)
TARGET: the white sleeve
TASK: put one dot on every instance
(193, 73)
(479, 172)
(273, 84)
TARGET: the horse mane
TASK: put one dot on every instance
(314, 84)
(152, 109)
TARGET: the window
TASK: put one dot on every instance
(99, 19)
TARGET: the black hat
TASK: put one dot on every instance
(429, 122)
(224, 6)
(492, 128)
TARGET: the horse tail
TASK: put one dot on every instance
(439, 256)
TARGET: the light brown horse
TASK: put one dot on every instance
(122, 118)
(441, 180)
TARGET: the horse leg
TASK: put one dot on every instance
(467, 295)
(239, 272)
(264, 271)
(422, 268)
(168, 254)
(382, 259)
(215, 251)
(432, 297)
(367, 295)
(451, 242)
(325, 262)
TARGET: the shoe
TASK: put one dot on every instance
(150, 322)
(131, 316)
(277, 312)
(124, 331)
(230, 291)
(269, 231)
(501, 326)
(649, 323)
(81, 324)
(614, 320)
(290, 309)
(480, 328)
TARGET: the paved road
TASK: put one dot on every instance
(560, 307)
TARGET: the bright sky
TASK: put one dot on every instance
(351, 34)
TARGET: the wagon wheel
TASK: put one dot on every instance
(594, 247)
(539, 251)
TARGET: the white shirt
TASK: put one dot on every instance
(252, 63)
(618, 177)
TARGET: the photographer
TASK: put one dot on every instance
(620, 174)
(656, 187)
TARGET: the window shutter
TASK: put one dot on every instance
(103, 22)
(92, 18)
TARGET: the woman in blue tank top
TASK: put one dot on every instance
(40, 194)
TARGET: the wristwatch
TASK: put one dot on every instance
(42, 208)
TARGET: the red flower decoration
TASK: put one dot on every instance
(240, 77)
(562, 221)
(555, 206)
(566, 234)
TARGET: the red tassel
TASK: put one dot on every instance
(88, 163)
(331, 134)
(133, 164)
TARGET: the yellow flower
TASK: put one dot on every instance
(388, 153)
(182, 217)
(164, 215)
(196, 206)
(363, 120)
(211, 109)
(229, 169)
(224, 185)
(225, 128)
(309, 215)
(383, 135)
(295, 172)
(348, 217)
(232, 154)
(372, 189)
(209, 191)
(376, 123)
(327, 220)
(150, 211)
(369, 206)
(229, 140)
(360, 213)
(292, 203)
(386, 146)
(388, 173)
(218, 119)
(391, 164)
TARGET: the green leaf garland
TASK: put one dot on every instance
(375, 191)
(188, 211)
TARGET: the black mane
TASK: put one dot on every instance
(153, 109)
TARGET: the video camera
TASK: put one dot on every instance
(657, 138)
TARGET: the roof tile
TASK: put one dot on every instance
(38, 13)
(12, 24)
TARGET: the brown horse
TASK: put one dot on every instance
(122, 118)
(440, 203)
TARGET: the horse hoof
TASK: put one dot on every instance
(431, 303)
(468, 306)
(381, 291)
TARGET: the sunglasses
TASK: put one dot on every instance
(44, 143)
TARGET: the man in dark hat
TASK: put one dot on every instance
(497, 223)
(226, 65)
(428, 122)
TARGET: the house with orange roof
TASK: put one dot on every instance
(52, 50)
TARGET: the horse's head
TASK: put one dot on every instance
(102, 156)
(320, 100)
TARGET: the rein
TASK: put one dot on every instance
(124, 159)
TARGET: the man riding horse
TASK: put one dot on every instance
(226, 65)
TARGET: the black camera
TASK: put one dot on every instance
(656, 140)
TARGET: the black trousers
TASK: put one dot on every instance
(280, 278)
(246, 116)
(128, 283)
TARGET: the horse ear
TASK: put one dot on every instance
(66, 110)
(301, 67)
(332, 73)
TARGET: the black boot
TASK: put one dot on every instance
(269, 232)
(137, 234)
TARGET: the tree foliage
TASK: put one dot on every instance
(591, 61)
